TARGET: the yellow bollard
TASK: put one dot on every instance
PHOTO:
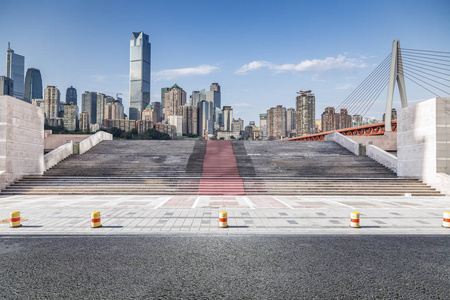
(95, 218)
(15, 219)
(354, 220)
(223, 220)
(446, 219)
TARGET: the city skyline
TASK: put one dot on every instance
(258, 65)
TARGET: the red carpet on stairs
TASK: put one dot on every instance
(220, 174)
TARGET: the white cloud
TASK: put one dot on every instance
(344, 87)
(316, 65)
(99, 77)
(175, 73)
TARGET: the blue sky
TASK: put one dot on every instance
(260, 52)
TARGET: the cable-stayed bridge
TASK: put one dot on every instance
(426, 68)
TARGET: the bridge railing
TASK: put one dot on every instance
(372, 129)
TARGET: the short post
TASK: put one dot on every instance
(223, 220)
(95, 218)
(15, 219)
(354, 219)
(446, 219)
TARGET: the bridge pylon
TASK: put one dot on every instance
(396, 74)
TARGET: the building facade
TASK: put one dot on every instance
(175, 98)
(290, 119)
(70, 116)
(140, 63)
(6, 86)
(263, 124)
(114, 111)
(51, 104)
(15, 69)
(89, 105)
(205, 119)
(306, 113)
(84, 121)
(227, 118)
(328, 119)
(190, 120)
(33, 85)
(276, 123)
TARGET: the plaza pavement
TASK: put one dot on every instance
(246, 214)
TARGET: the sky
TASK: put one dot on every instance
(260, 52)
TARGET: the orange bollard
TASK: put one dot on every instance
(223, 220)
(95, 218)
(15, 219)
(446, 219)
(354, 220)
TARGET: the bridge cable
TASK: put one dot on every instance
(427, 83)
(407, 49)
(356, 91)
(422, 64)
(425, 57)
(421, 85)
(374, 97)
(367, 95)
(409, 65)
(355, 96)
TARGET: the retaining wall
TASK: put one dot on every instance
(21, 140)
(345, 142)
(379, 155)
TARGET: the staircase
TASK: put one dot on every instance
(241, 168)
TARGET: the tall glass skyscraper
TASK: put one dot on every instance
(140, 56)
(33, 85)
(15, 68)
(71, 95)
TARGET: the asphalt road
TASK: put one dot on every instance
(225, 267)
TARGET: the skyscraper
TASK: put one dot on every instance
(70, 116)
(33, 85)
(214, 87)
(175, 98)
(51, 104)
(89, 105)
(263, 124)
(276, 123)
(306, 113)
(15, 68)
(71, 95)
(329, 119)
(227, 118)
(214, 95)
(6, 86)
(205, 118)
(140, 56)
(290, 120)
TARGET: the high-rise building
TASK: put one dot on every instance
(263, 124)
(158, 110)
(70, 116)
(197, 96)
(6, 86)
(71, 95)
(227, 118)
(357, 120)
(89, 105)
(328, 119)
(150, 114)
(205, 119)
(163, 97)
(51, 104)
(276, 123)
(177, 121)
(84, 121)
(33, 85)
(214, 97)
(102, 100)
(306, 113)
(15, 68)
(214, 87)
(190, 119)
(114, 111)
(343, 120)
(175, 98)
(290, 119)
(140, 57)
